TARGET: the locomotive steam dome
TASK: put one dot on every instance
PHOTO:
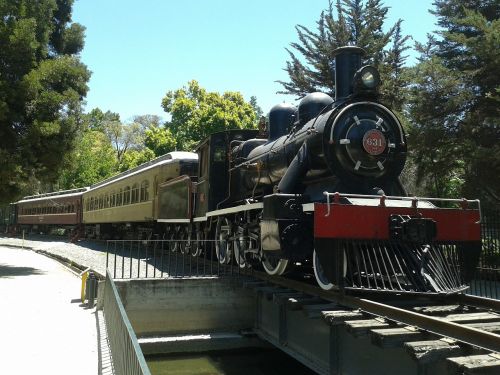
(281, 117)
(312, 105)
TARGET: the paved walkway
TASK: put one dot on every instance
(44, 329)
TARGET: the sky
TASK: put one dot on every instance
(139, 50)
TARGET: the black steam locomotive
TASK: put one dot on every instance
(321, 188)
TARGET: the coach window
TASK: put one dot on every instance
(91, 204)
(119, 197)
(113, 198)
(101, 201)
(135, 193)
(144, 190)
(126, 195)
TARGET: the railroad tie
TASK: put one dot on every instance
(297, 303)
(316, 311)
(396, 337)
(363, 327)
(340, 316)
(429, 351)
(483, 364)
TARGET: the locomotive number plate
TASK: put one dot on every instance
(374, 142)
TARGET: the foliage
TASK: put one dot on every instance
(159, 140)
(42, 84)
(196, 113)
(257, 109)
(133, 158)
(106, 146)
(348, 22)
(96, 119)
(124, 137)
(93, 160)
(454, 104)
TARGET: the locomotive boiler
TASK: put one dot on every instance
(348, 144)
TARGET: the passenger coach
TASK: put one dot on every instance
(40, 213)
(126, 204)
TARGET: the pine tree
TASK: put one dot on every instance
(348, 22)
(455, 103)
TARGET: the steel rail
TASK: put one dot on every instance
(469, 335)
(472, 336)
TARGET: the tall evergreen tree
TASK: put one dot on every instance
(42, 84)
(455, 103)
(347, 22)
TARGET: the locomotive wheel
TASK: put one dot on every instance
(184, 240)
(321, 278)
(172, 243)
(223, 241)
(274, 266)
(198, 245)
(241, 244)
(320, 275)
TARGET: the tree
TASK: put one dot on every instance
(93, 160)
(124, 137)
(196, 113)
(42, 84)
(159, 140)
(455, 103)
(148, 121)
(349, 22)
(133, 158)
(258, 111)
(96, 119)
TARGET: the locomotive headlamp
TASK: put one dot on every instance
(366, 79)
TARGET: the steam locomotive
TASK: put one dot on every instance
(321, 188)
(318, 188)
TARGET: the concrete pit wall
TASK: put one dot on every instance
(166, 307)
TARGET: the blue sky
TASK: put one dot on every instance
(137, 51)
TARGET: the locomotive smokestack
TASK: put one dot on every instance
(347, 63)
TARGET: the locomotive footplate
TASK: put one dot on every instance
(284, 226)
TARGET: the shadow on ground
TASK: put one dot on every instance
(8, 271)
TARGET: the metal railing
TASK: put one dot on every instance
(125, 350)
(146, 259)
(487, 279)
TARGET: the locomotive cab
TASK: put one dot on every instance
(213, 168)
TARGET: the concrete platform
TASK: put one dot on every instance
(44, 327)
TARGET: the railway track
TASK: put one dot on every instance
(463, 329)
